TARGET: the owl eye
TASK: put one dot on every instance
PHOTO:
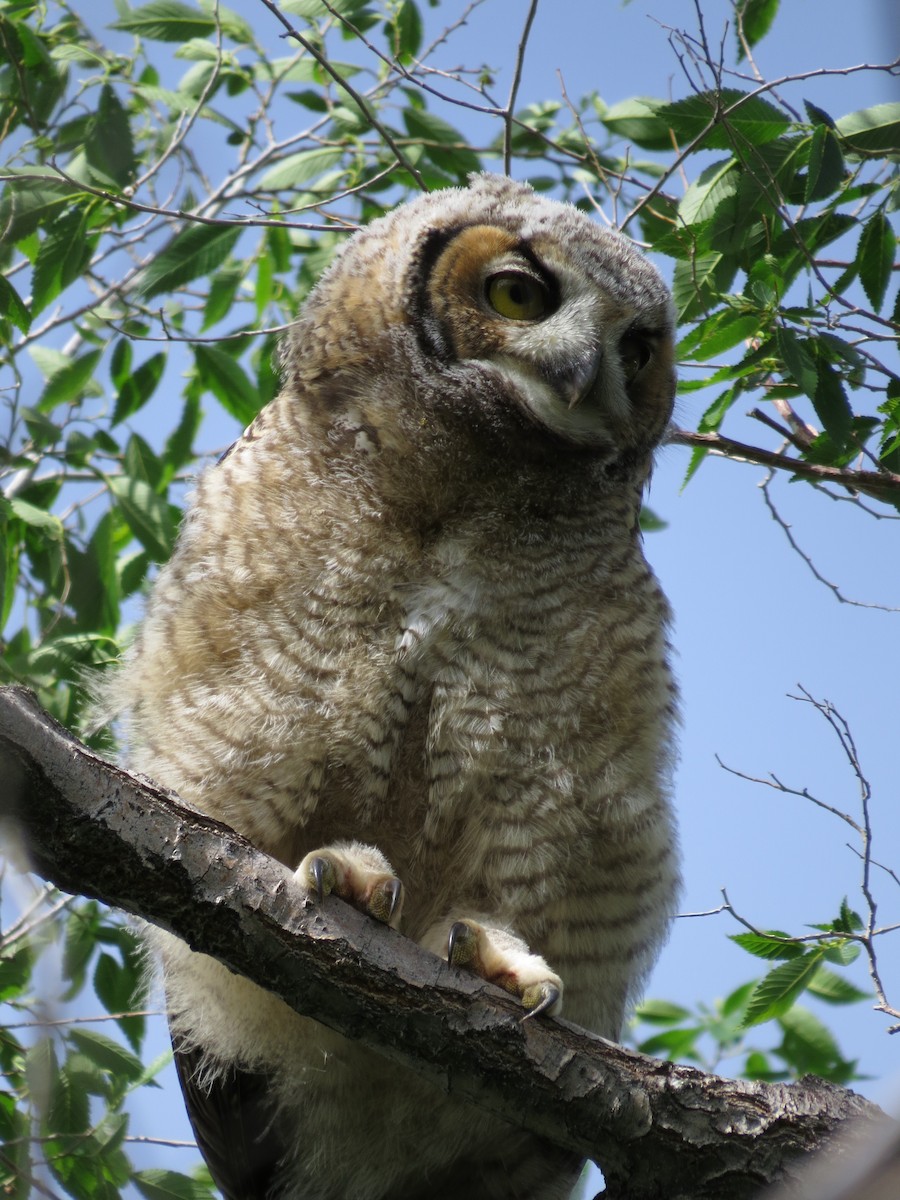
(634, 352)
(517, 296)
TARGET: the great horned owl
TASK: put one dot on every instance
(408, 634)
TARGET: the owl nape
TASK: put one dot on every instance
(409, 645)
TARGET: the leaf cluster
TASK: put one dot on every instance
(66, 1083)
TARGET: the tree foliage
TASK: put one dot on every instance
(172, 187)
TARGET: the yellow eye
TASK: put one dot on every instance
(635, 354)
(517, 296)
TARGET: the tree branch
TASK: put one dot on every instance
(882, 485)
(656, 1129)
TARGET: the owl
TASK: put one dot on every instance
(409, 645)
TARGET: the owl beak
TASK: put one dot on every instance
(579, 383)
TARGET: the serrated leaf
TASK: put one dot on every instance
(107, 1054)
(63, 254)
(228, 382)
(69, 384)
(825, 171)
(300, 168)
(777, 991)
(755, 120)
(818, 116)
(831, 403)
(138, 386)
(194, 251)
(29, 203)
(169, 1185)
(798, 360)
(146, 513)
(36, 517)
(166, 21)
(409, 31)
(873, 130)
(756, 17)
(638, 120)
(661, 1012)
(457, 158)
(769, 947)
(875, 257)
(12, 307)
(109, 145)
(834, 988)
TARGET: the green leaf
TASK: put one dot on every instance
(63, 254)
(756, 17)
(639, 121)
(11, 306)
(36, 517)
(835, 989)
(69, 384)
(457, 158)
(226, 379)
(873, 130)
(769, 947)
(169, 1185)
(755, 120)
(826, 165)
(166, 21)
(831, 403)
(222, 290)
(798, 360)
(194, 251)
(107, 1054)
(875, 257)
(300, 168)
(661, 1012)
(138, 386)
(109, 145)
(147, 514)
(409, 31)
(29, 203)
(777, 991)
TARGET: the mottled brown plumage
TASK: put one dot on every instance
(409, 610)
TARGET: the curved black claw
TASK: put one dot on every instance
(393, 891)
(319, 868)
(459, 950)
(550, 995)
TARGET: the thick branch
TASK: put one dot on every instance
(655, 1128)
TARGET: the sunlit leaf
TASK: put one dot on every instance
(875, 257)
(109, 145)
(166, 21)
(228, 382)
(11, 306)
(777, 991)
(147, 514)
(195, 250)
(753, 120)
(873, 130)
(826, 164)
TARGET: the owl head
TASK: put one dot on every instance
(504, 306)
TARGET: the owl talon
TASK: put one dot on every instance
(322, 876)
(359, 874)
(543, 997)
(501, 958)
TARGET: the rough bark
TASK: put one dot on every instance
(655, 1128)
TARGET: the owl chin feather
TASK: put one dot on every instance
(408, 641)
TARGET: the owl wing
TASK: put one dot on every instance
(233, 1122)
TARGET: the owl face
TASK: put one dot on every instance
(514, 297)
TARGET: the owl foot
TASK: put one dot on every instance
(503, 959)
(357, 873)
